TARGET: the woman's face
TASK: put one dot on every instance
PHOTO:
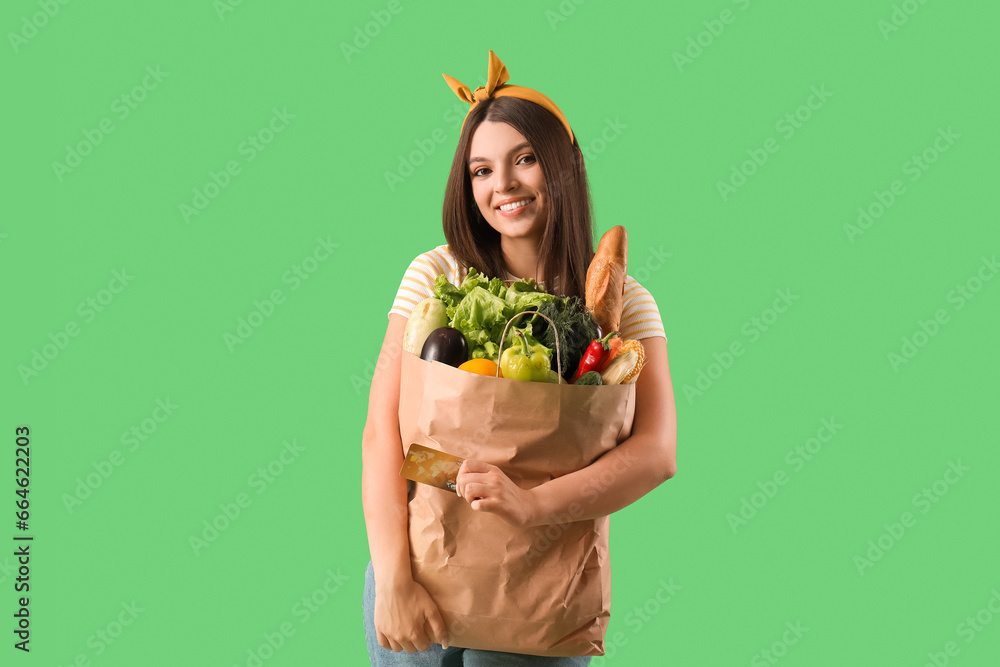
(503, 168)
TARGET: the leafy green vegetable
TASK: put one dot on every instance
(522, 287)
(481, 306)
(472, 280)
(576, 327)
(496, 288)
(446, 292)
(526, 295)
(478, 316)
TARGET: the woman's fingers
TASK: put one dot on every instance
(475, 490)
(487, 504)
(467, 483)
(385, 642)
(406, 624)
(439, 630)
(473, 465)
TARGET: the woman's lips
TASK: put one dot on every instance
(517, 211)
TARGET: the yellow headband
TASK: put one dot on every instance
(496, 86)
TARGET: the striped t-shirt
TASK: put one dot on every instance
(640, 316)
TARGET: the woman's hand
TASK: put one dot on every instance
(403, 613)
(488, 489)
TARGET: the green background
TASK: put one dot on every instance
(301, 376)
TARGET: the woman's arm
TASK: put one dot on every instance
(406, 618)
(620, 477)
(383, 491)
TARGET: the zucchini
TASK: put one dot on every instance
(426, 316)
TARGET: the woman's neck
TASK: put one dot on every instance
(521, 257)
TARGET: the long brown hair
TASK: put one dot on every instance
(567, 244)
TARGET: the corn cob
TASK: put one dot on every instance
(641, 353)
(625, 367)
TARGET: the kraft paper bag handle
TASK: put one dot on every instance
(503, 337)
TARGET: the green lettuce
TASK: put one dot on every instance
(481, 306)
(446, 292)
(478, 316)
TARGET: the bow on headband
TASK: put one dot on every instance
(497, 86)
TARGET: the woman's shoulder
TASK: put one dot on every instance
(633, 287)
(437, 261)
(418, 279)
(640, 314)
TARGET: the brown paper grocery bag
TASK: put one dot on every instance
(544, 590)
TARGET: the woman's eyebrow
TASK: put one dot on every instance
(512, 150)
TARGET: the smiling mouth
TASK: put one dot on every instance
(515, 205)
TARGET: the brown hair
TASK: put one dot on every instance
(567, 244)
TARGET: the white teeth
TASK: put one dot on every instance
(511, 207)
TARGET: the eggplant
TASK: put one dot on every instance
(446, 345)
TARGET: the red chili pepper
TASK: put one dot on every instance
(594, 356)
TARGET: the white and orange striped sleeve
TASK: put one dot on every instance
(640, 316)
(418, 280)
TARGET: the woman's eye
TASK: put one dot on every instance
(529, 156)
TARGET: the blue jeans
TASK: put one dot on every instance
(453, 656)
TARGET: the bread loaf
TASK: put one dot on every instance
(606, 279)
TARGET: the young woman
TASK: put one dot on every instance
(516, 205)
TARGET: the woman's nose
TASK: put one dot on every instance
(504, 179)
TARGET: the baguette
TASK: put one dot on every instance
(606, 279)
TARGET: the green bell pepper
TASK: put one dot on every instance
(525, 362)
